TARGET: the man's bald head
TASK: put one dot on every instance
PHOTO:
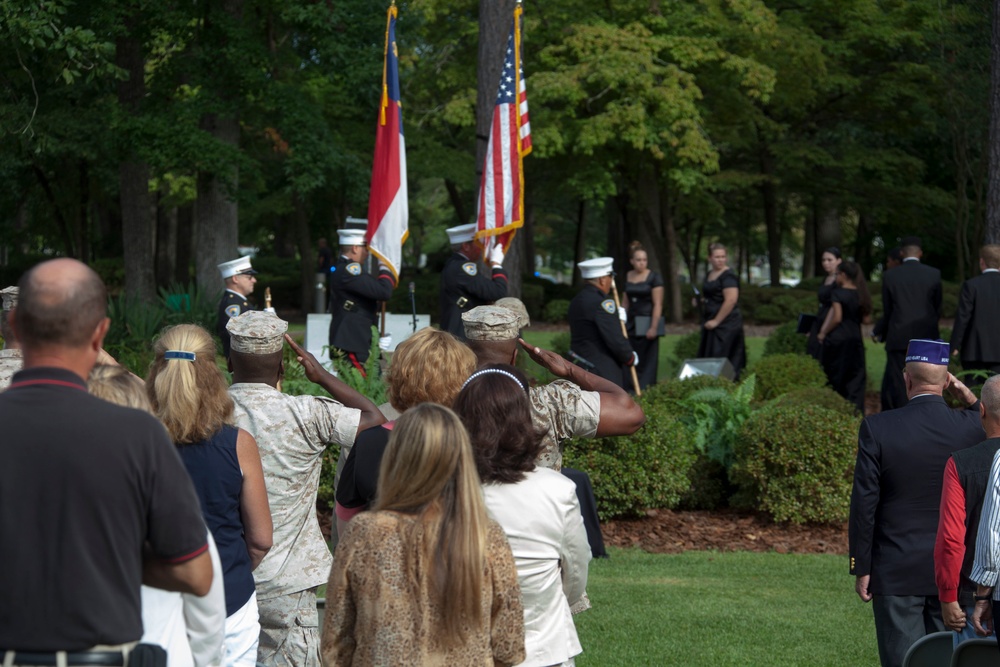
(926, 378)
(61, 304)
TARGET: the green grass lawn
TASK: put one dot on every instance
(708, 608)
(874, 353)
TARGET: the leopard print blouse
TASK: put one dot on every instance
(376, 616)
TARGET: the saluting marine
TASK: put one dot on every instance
(240, 281)
(354, 297)
(463, 287)
(595, 324)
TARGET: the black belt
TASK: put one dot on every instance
(83, 658)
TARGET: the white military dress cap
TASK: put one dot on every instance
(235, 267)
(462, 233)
(596, 268)
(9, 295)
(351, 236)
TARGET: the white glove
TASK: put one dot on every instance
(635, 359)
(496, 255)
(385, 342)
(270, 310)
(622, 315)
(383, 267)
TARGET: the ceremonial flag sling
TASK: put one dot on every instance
(388, 209)
(501, 192)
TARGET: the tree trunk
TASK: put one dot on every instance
(185, 234)
(138, 226)
(670, 270)
(828, 228)
(993, 194)
(216, 213)
(810, 265)
(166, 244)
(514, 263)
(307, 262)
(455, 197)
(769, 192)
(579, 243)
(528, 230)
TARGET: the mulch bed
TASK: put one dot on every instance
(669, 532)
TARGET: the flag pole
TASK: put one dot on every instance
(618, 304)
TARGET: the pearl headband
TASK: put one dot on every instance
(493, 370)
(179, 354)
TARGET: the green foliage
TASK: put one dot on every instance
(556, 310)
(796, 463)
(773, 305)
(371, 384)
(822, 397)
(715, 416)
(782, 373)
(677, 390)
(190, 304)
(560, 343)
(647, 469)
(786, 340)
(134, 325)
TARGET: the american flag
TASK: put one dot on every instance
(501, 192)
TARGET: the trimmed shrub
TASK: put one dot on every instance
(796, 463)
(710, 488)
(782, 373)
(556, 310)
(822, 397)
(773, 305)
(686, 347)
(649, 469)
(786, 340)
(677, 390)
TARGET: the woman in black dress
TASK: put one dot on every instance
(830, 261)
(843, 345)
(643, 298)
(722, 324)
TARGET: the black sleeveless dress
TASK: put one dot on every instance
(844, 350)
(726, 340)
(640, 302)
(813, 347)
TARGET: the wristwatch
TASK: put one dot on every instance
(983, 598)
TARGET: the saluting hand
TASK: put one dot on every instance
(548, 360)
(314, 370)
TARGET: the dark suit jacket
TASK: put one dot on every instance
(354, 306)
(896, 496)
(464, 287)
(596, 333)
(978, 318)
(911, 303)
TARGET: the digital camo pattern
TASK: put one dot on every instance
(289, 631)
(292, 434)
(10, 363)
(567, 411)
(376, 614)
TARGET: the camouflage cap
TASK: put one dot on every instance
(514, 304)
(9, 295)
(256, 332)
(490, 323)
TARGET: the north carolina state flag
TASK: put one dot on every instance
(388, 208)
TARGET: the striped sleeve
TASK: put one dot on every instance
(984, 567)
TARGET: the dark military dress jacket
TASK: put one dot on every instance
(596, 334)
(464, 287)
(354, 297)
(231, 305)
(896, 498)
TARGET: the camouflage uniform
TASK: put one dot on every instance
(10, 363)
(292, 433)
(566, 411)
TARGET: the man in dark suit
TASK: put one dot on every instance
(595, 324)
(354, 298)
(893, 258)
(240, 279)
(911, 305)
(463, 285)
(896, 495)
(974, 339)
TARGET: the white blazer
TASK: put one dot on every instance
(542, 520)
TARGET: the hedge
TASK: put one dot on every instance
(782, 373)
(796, 463)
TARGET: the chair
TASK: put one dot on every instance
(933, 650)
(976, 653)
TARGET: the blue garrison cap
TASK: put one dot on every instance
(928, 352)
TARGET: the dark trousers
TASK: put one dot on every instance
(893, 385)
(901, 620)
(588, 507)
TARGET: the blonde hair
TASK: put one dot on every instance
(428, 367)
(428, 470)
(990, 254)
(116, 385)
(189, 397)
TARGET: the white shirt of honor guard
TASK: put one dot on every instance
(470, 268)
(354, 269)
(609, 305)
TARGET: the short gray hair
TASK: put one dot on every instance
(991, 397)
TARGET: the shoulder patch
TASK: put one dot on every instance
(470, 268)
(609, 305)
(233, 310)
(354, 269)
